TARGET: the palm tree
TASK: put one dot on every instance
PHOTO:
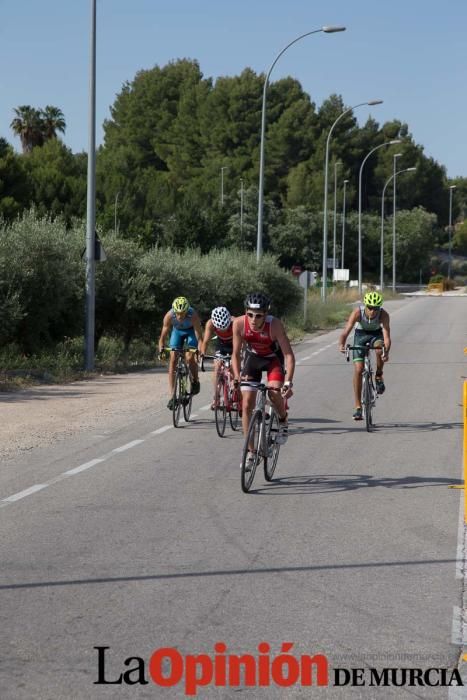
(28, 126)
(52, 121)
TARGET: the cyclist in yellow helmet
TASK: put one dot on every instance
(184, 325)
(371, 324)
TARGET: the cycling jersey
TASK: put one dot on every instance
(260, 342)
(262, 353)
(366, 324)
(183, 324)
(224, 343)
(225, 336)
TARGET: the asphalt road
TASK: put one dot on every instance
(143, 539)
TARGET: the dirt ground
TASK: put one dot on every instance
(44, 414)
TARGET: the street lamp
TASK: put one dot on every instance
(386, 143)
(90, 307)
(115, 215)
(241, 209)
(451, 188)
(343, 224)
(222, 185)
(325, 206)
(404, 170)
(259, 243)
(335, 216)
(396, 156)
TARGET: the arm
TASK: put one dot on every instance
(165, 330)
(351, 321)
(197, 328)
(237, 329)
(208, 333)
(278, 333)
(386, 334)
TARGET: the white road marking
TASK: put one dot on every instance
(26, 492)
(86, 465)
(161, 430)
(205, 408)
(128, 446)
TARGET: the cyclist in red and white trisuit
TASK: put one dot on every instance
(266, 348)
(220, 324)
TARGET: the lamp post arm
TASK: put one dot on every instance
(259, 238)
(325, 212)
(386, 143)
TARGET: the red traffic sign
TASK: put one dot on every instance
(296, 270)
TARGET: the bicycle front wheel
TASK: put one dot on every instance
(235, 401)
(187, 401)
(270, 459)
(220, 410)
(177, 399)
(366, 401)
(254, 438)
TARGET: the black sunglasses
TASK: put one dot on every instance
(372, 308)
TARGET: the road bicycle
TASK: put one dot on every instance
(262, 434)
(369, 394)
(182, 396)
(228, 398)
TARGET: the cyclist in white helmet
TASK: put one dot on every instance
(220, 324)
(371, 323)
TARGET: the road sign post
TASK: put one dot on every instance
(306, 279)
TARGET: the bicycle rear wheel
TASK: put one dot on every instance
(235, 401)
(366, 401)
(220, 410)
(270, 459)
(253, 437)
(177, 399)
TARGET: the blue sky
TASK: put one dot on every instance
(410, 53)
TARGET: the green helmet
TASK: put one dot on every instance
(180, 304)
(373, 299)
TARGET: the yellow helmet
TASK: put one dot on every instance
(373, 299)
(180, 304)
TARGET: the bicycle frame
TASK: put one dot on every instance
(227, 397)
(262, 432)
(369, 394)
(181, 396)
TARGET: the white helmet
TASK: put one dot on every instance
(221, 318)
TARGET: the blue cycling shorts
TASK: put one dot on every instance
(182, 336)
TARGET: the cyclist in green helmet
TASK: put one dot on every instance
(371, 324)
(184, 325)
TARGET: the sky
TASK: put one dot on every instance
(410, 53)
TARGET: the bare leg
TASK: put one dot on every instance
(357, 383)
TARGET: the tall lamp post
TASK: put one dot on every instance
(115, 213)
(90, 308)
(334, 235)
(451, 188)
(386, 143)
(381, 265)
(343, 223)
(396, 156)
(222, 185)
(259, 242)
(325, 205)
(241, 209)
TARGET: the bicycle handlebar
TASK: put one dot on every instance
(260, 386)
(365, 348)
(217, 356)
